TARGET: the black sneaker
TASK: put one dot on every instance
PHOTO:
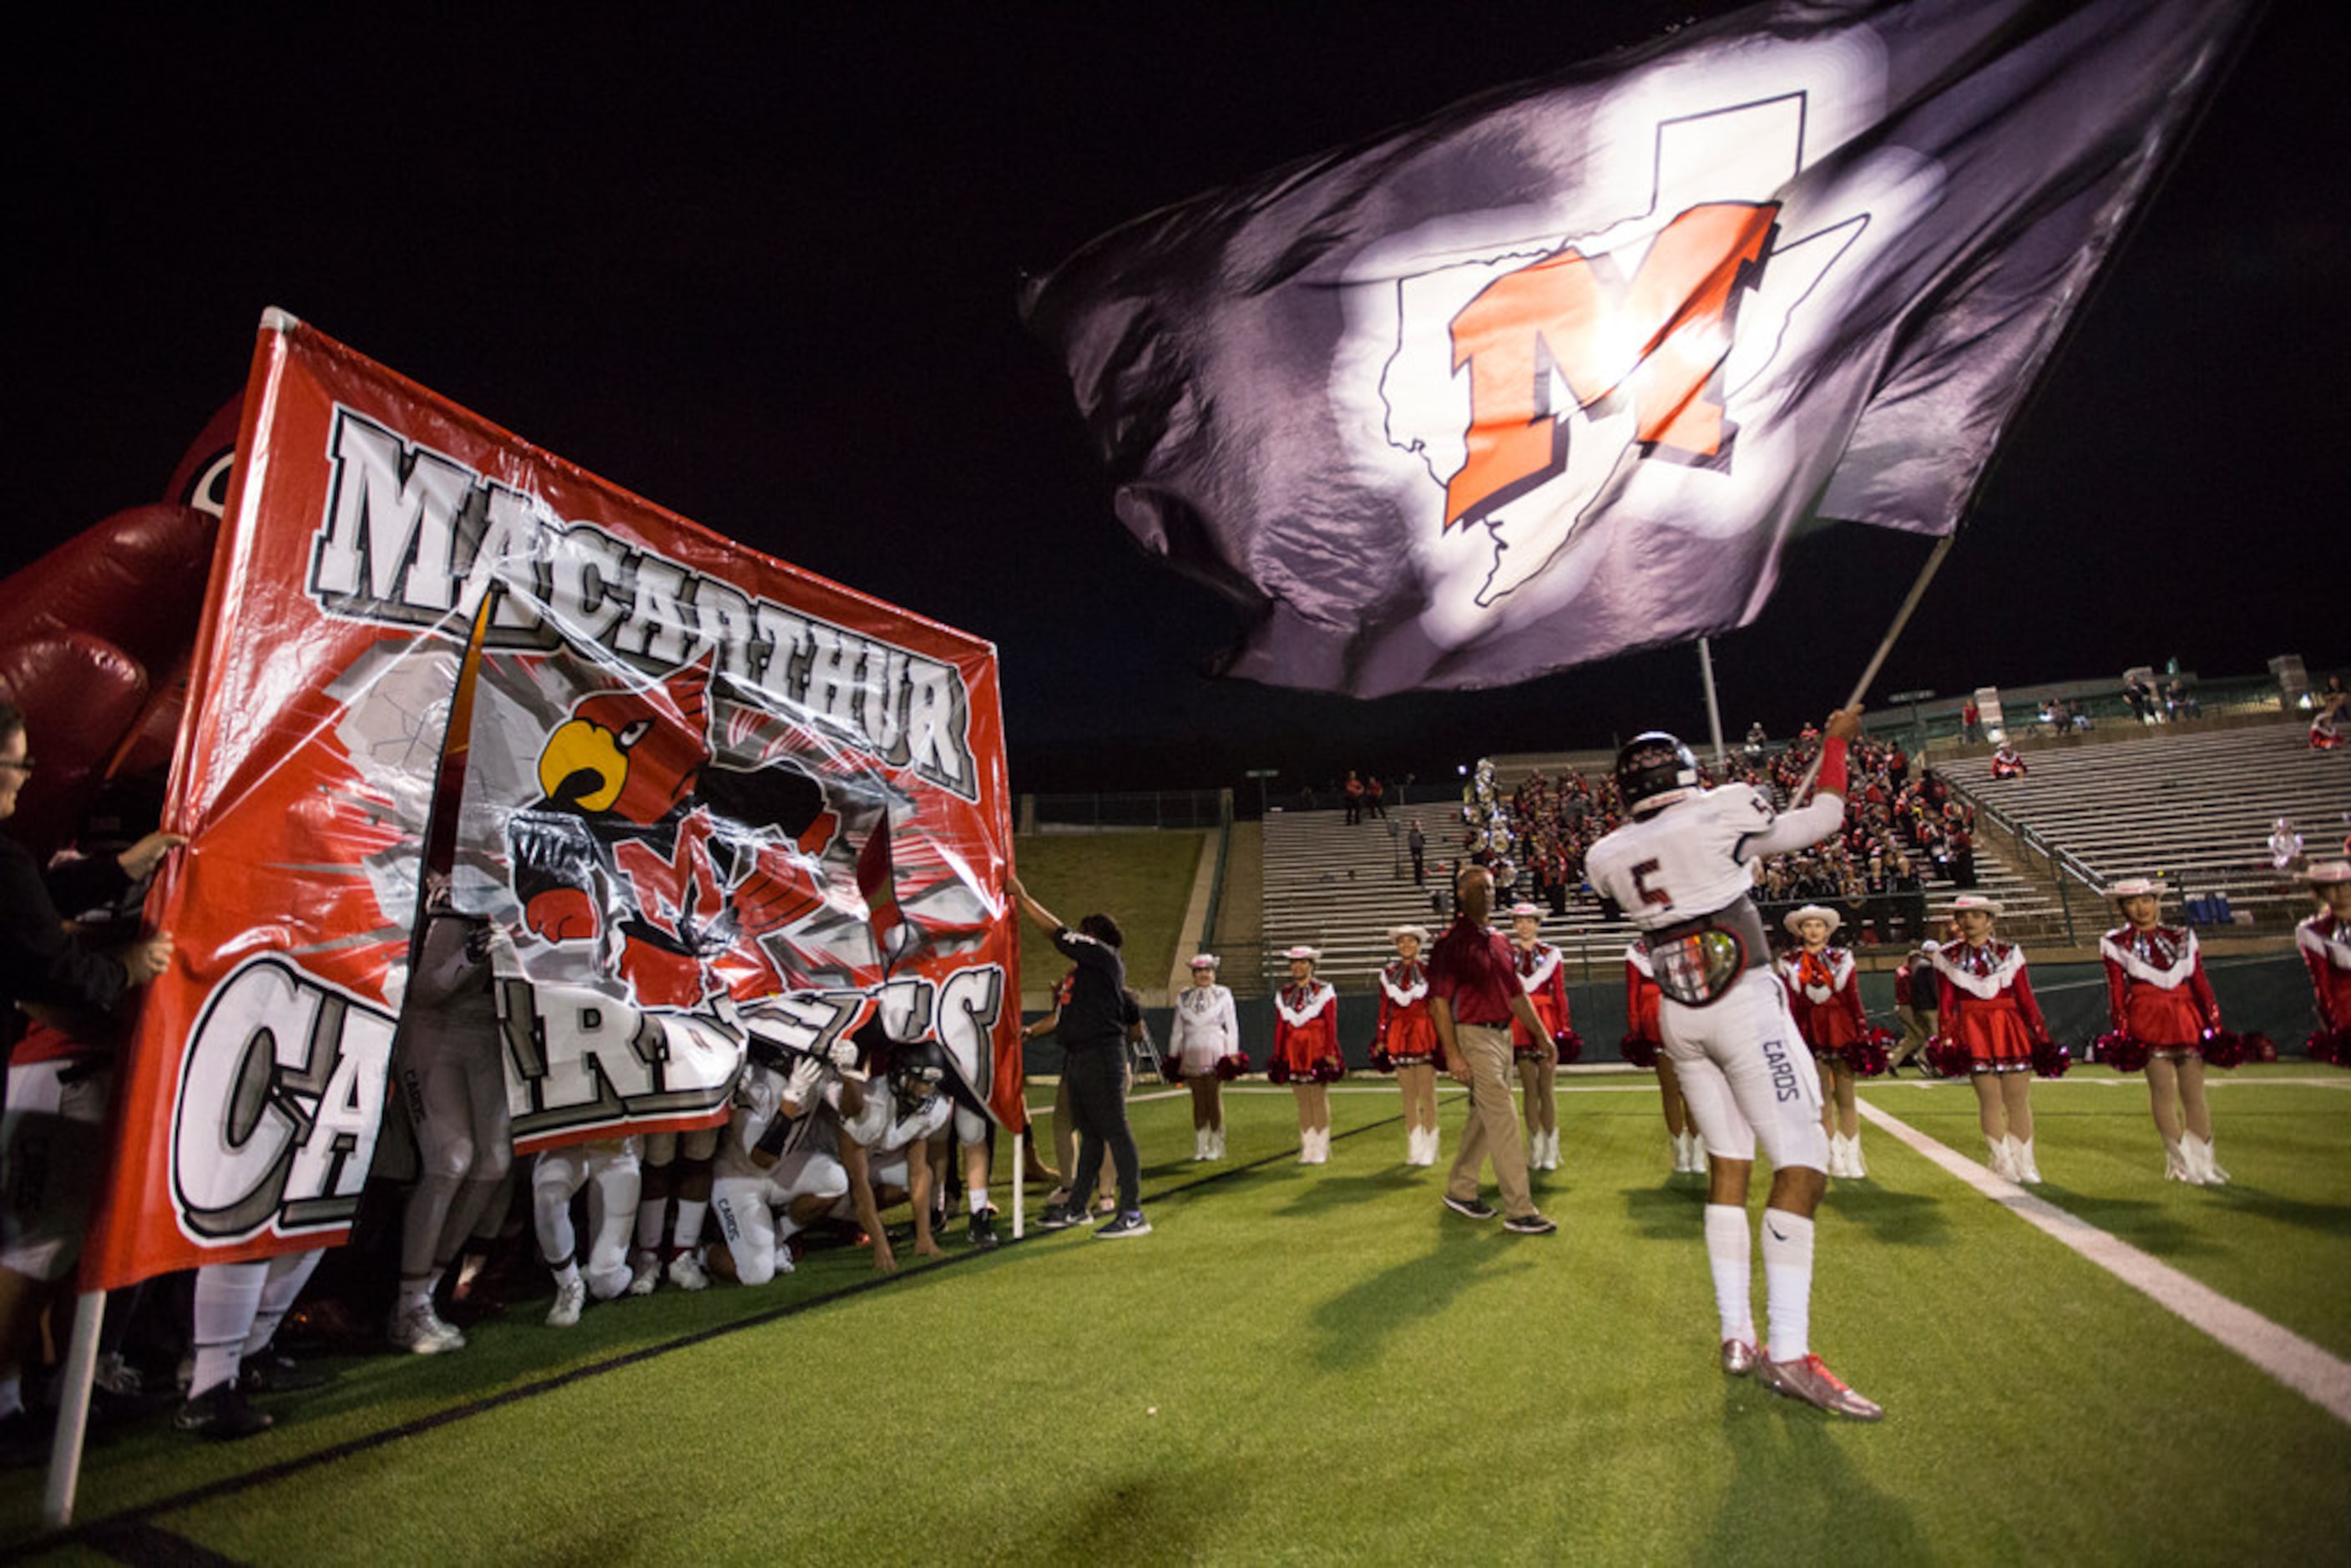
(220, 1413)
(270, 1372)
(1529, 1225)
(1130, 1223)
(983, 1230)
(1058, 1217)
(1469, 1208)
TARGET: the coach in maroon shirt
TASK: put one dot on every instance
(1474, 992)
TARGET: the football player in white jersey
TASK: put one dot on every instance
(1681, 868)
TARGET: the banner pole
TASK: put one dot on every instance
(73, 1410)
(1020, 1183)
(1713, 711)
(1885, 646)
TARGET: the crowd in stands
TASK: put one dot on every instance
(1903, 829)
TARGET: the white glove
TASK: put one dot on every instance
(843, 1053)
(800, 1087)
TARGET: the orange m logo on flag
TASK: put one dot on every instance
(1660, 338)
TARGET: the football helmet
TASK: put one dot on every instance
(1654, 770)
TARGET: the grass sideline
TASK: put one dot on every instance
(1309, 1364)
(1143, 879)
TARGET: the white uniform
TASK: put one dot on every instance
(751, 1201)
(887, 1135)
(1745, 1072)
(555, 1176)
(1206, 1030)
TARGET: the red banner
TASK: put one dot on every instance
(709, 796)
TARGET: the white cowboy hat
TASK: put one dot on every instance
(2326, 872)
(1796, 917)
(2137, 887)
(1204, 961)
(1311, 955)
(1967, 901)
(1526, 911)
(1419, 931)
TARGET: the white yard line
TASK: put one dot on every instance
(2315, 1373)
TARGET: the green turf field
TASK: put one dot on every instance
(1311, 1364)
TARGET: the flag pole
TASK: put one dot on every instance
(1713, 712)
(1885, 646)
(73, 1411)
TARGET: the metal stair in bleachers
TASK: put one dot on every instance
(2195, 806)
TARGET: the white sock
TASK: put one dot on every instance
(974, 1199)
(567, 1276)
(1726, 1256)
(288, 1273)
(1788, 1283)
(229, 1295)
(690, 1211)
(415, 1293)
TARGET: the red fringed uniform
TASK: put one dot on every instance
(1988, 1005)
(2156, 988)
(1825, 993)
(1641, 994)
(1545, 977)
(1305, 1026)
(1406, 1031)
(2324, 943)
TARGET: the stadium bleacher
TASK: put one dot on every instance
(2195, 806)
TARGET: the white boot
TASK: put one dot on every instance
(1696, 1145)
(2002, 1165)
(1430, 1153)
(1199, 1144)
(1853, 1167)
(2021, 1154)
(1305, 1146)
(2199, 1160)
(1321, 1146)
(2176, 1166)
(1413, 1143)
(1217, 1145)
(1681, 1153)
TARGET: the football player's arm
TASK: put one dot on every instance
(860, 1196)
(918, 1193)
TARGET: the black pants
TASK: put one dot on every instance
(1097, 1080)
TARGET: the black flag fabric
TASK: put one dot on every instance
(1555, 373)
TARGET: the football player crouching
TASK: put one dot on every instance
(779, 1166)
(893, 1131)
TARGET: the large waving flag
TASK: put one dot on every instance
(1555, 373)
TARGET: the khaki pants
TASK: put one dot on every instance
(1918, 1024)
(1493, 1128)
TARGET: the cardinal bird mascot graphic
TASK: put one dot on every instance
(676, 867)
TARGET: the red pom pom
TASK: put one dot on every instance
(1231, 1067)
(1569, 1045)
(1329, 1070)
(1866, 1056)
(1949, 1058)
(1380, 1059)
(2120, 1051)
(2332, 1046)
(2223, 1049)
(1276, 1070)
(1171, 1068)
(1638, 1050)
(2050, 1059)
(2260, 1047)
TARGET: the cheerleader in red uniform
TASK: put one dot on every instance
(1987, 1007)
(2158, 995)
(1540, 972)
(1306, 1044)
(1641, 995)
(2324, 942)
(1824, 994)
(1409, 1037)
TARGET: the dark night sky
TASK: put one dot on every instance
(764, 275)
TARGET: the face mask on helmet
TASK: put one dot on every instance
(916, 1075)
